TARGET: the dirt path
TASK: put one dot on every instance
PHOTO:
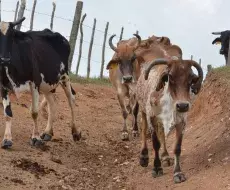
(101, 160)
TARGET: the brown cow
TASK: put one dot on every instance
(123, 76)
(163, 94)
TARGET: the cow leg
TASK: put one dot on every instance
(121, 98)
(35, 139)
(48, 133)
(157, 170)
(70, 93)
(144, 156)
(7, 140)
(165, 159)
(178, 175)
(135, 110)
(43, 108)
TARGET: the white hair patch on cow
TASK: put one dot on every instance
(4, 26)
(62, 67)
(46, 87)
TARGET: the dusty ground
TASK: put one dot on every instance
(101, 160)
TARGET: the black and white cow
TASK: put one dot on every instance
(224, 41)
(37, 61)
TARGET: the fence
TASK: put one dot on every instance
(80, 62)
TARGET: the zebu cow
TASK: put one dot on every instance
(224, 41)
(38, 60)
(163, 94)
(123, 74)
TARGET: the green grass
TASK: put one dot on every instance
(223, 71)
(94, 80)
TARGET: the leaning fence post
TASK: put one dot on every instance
(209, 68)
(16, 11)
(228, 61)
(90, 48)
(21, 13)
(121, 35)
(103, 50)
(32, 15)
(74, 32)
(52, 15)
(81, 42)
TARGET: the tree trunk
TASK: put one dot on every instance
(121, 35)
(21, 13)
(16, 11)
(74, 32)
(90, 48)
(103, 50)
(81, 42)
(52, 16)
(32, 15)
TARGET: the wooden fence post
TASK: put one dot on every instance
(137, 32)
(200, 62)
(228, 61)
(52, 15)
(191, 57)
(74, 32)
(32, 15)
(16, 11)
(81, 42)
(121, 35)
(90, 48)
(21, 13)
(209, 68)
(103, 50)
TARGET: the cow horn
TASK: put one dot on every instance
(18, 21)
(197, 86)
(216, 33)
(111, 43)
(154, 63)
(139, 41)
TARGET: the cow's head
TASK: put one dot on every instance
(180, 78)
(223, 40)
(6, 39)
(125, 60)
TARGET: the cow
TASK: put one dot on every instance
(37, 61)
(224, 41)
(123, 76)
(163, 95)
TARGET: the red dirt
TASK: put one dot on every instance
(101, 160)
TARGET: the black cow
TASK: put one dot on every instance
(224, 41)
(37, 60)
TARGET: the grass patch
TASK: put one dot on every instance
(223, 71)
(94, 80)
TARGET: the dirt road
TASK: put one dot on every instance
(101, 160)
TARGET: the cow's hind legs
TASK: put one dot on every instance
(178, 175)
(48, 133)
(35, 139)
(144, 156)
(70, 93)
(7, 140)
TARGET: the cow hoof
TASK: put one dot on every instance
(144, 160)
(157, 172)
(135, 134)
(76, 136)
(36, 142)
(179, 177)
(46, 137)
(125, 136)
(6, 144)
(167, 161)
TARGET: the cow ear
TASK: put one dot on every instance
(112, 64)
(217, 41)
(161, 83)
